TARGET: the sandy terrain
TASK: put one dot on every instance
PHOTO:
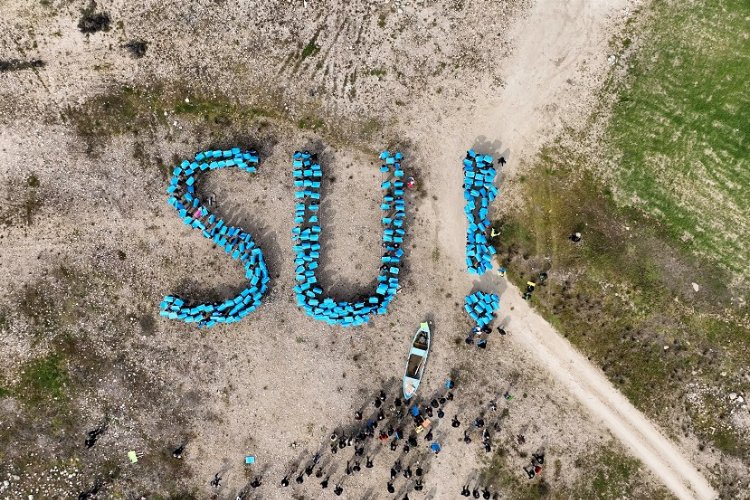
(278, 384)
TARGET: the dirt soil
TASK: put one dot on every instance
(89, 245)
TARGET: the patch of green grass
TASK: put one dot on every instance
(311, 122)
(378, 72)
(623, 293)
(712, 422)
(681, 128)
(369, 127)
(140, 110)
(121, 110)
(43, 379)
(220, 110)
(608, 473)
(605, 473)
(311, 49)
(499, 476)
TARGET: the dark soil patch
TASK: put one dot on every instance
(17, 64)
(92, 21)
(137, 48)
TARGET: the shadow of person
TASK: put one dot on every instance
(484, 145)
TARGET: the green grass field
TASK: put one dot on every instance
(680, 134)
(604, 472)
(676, 211)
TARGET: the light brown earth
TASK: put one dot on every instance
(278, 384)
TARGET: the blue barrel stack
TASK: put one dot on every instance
(479, 191)
(481, 307)
(233, 240)
(306, 238)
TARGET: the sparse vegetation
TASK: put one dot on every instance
(311, 122)
(624, 292)
(311, 49)
(139, 111)
(16, 65)
(609, 473)
(381, 20)
(43, 380)
(92, 21)
(624, 295)
(605, 473)
(23, 202)
(136, 48)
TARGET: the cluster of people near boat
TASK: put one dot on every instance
(233, 240)
(406, 428)
(479, 191)
(306, 235)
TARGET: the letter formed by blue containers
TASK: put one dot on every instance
(233, 240)
(306, 240)
(481, 307)
(479, 191)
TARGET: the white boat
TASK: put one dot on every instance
(415, 365)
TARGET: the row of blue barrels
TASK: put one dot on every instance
(479, 191)
(233, 240)
(306, 235)
(481, 307)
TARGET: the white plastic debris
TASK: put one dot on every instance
(696, 286)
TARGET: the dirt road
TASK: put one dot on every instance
(600, 397)
(560, 57)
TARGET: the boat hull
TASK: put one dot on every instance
(417, 361)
